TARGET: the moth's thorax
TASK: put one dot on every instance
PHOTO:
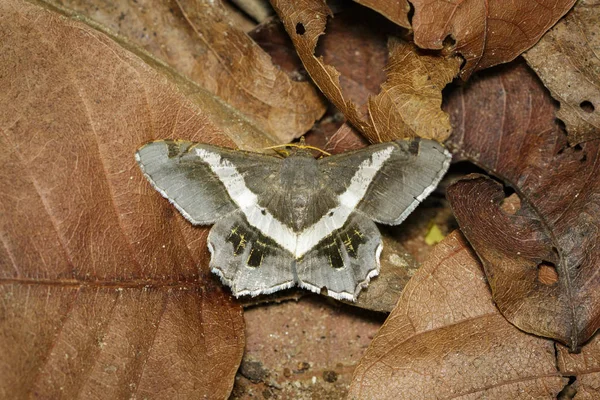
(301, 171)
(299, 183)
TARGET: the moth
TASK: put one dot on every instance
(281, 222)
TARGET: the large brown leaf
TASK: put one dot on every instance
(505, 123)
(408, 103)
(199, 39)
(104, 288)
(446, 340)
(567, 59)
(485, 32)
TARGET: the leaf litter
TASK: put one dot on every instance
(408, 105)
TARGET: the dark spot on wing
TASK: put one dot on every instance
(257, 253)
(413, 147)
(256, 257)
(352, 238)
(349, 236)
(330, 248)
(259, 245)
(238, 237)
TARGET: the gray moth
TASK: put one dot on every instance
(294, 221)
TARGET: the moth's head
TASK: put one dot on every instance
(300, 149)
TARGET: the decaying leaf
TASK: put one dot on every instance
(567, 60)
(484, 32)
(409, 102)
(584, 366)
(104, 288)
(199, 40)
(446, 340)
(505, 124)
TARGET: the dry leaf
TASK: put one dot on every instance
(585, 366)
(446, 340)
(272, 38)
(484, 32)
(409, 102)
(201, 42)
(396, 11)
(346, 138)
(505, 124)
(567, 59)
(259, 10)
(105, 290)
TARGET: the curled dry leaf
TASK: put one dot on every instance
(505, 124)
(104, 289)
(446, 340)
(585, 366)
(199, 40)
(485, 32)
(409, 102)
(567, 60)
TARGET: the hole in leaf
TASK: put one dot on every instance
(587, 106)
(300, 29)
(511, 204)
(569, 391)
(449, 42)
(547, 274)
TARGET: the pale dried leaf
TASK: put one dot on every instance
(410, 99)
(567, 60)
(585, 366)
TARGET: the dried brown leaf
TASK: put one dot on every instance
(484, 32)
(585, 366)
(104, 289)
(446, 340)
(409, 102)
(505, 124)
(396, 11)
(567, 60)
(199, 40)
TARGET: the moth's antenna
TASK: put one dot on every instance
(300, 145)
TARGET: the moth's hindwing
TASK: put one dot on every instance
(247, 260)
(344, 261)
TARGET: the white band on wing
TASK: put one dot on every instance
(296, 243)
